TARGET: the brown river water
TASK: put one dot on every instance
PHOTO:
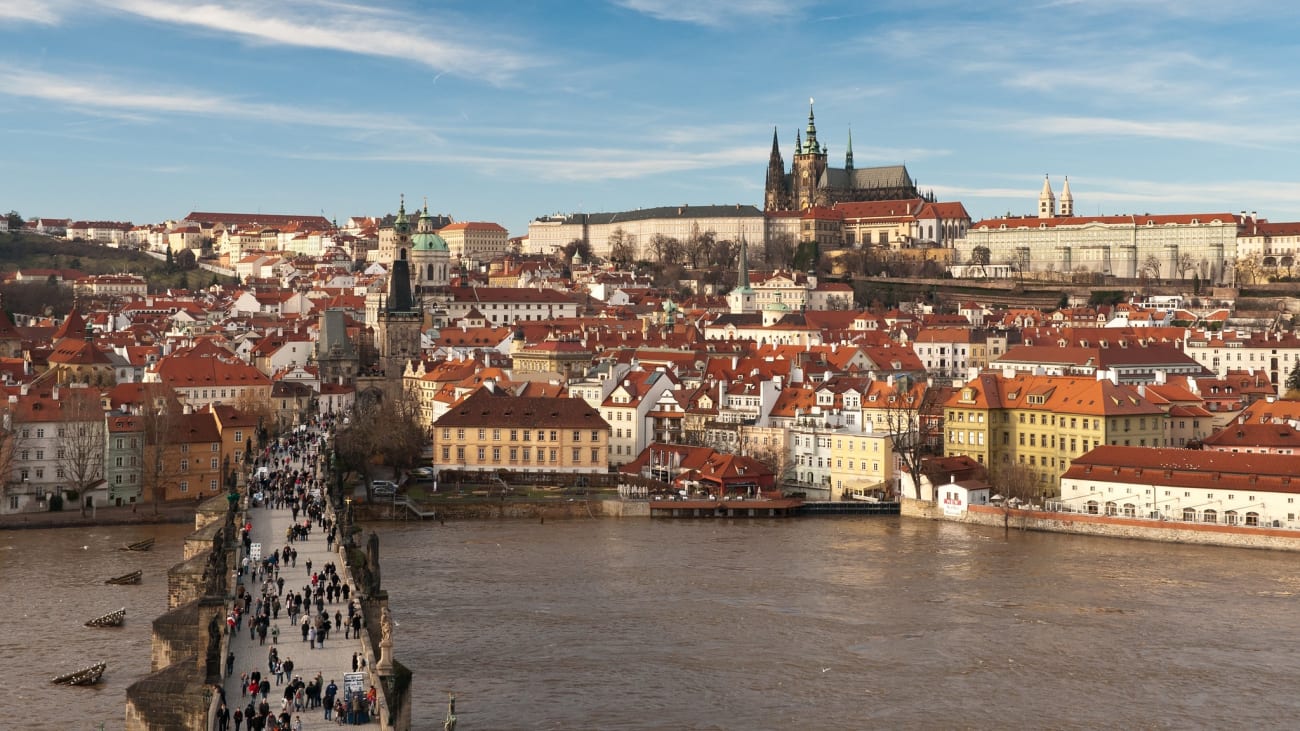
(821, 623)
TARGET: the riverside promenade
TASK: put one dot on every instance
(331, 661)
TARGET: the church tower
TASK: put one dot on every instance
(1067, 200)
(808, 166)
(398, 325)
(848, 153)
(430, 256)
(395, 241)
(1047, 200)
(776, 193)
(741, 298)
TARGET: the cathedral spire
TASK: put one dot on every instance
(742, 275)
(848, 153)
(811, 144)
(798, 143)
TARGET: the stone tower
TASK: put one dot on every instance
(776, 192)
(807, 168)
(395, 241)
(336, 356)
(1067, 200)
(398, 325)
(1047, 200)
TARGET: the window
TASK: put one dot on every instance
(185, 465)
(577, 455)
(40, 433)
(577, 437)
(185, 486)
(460, 433)
(185, 448)
(446, 454)
(595, 435)
(482, 433)
(496, 454)
(213, 463)
(595, 455)
(212, 485)
(496, 435)
(482, 454)
(58, 472)
(216, 446)
(460, 454)
(446, 434)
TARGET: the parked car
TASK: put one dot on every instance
(422, 473)
(383, 488)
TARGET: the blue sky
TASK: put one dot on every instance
(143, 110)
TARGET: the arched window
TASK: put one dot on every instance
(1230, 517)
(1210, 516)
(430, 272)
(1111, 508)
(1091, 507)
(1130, 510)
(1189, 514)
(401, 254)
(1252, 518)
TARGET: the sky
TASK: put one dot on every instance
(143, 110)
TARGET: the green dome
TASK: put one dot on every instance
(428, 241)
(425, 238)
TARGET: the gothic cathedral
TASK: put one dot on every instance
(812, 182)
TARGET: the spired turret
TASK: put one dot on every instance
(1047, 200)
(1067, 200)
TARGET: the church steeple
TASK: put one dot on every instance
(400, 224)
(848, 153)
(811, 145)
(1047, 200)
(798, 143)
(1067, 200)
(742, 274)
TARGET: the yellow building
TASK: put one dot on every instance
(491, 430)
(1044, 422)
(862, 463)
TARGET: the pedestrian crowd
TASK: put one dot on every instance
(261, 597)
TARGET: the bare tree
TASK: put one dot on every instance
(622, 247)
(666, 249)
(389, 429)
(159, 416)
(778, 251)
(909, 413)
(1016, 483)
(8, 439)
(80, 441)
(1185, 264)
(1151, 265)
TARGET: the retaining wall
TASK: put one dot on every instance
(1113, 526)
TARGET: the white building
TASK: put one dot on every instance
(1185, 485)
(549, 234)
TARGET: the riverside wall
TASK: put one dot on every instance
(516, 509)
(1112, 526)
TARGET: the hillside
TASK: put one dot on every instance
(33, 251)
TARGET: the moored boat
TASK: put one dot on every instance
(131, 578)
(112, 619)
(84, 676)
(144, 545)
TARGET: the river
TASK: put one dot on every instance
(837, 623)
(52, 581)
(816, 623)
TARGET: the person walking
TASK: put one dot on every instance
(223, 718)
(275, 635)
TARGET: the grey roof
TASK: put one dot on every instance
(333, 341)
(688, 211)
(887, 176)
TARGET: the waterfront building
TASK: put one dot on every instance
(627, 411)
(864, 462)
(123, 458)
(56, 444)
(1045, 422)
(1230, 488)
(491, 430)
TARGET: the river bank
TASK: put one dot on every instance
(140, 515)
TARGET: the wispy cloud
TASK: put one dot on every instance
(1243, 135)
(343, 27)
(30, 11)
(584, 164)
(111, 97)
(715, 13)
